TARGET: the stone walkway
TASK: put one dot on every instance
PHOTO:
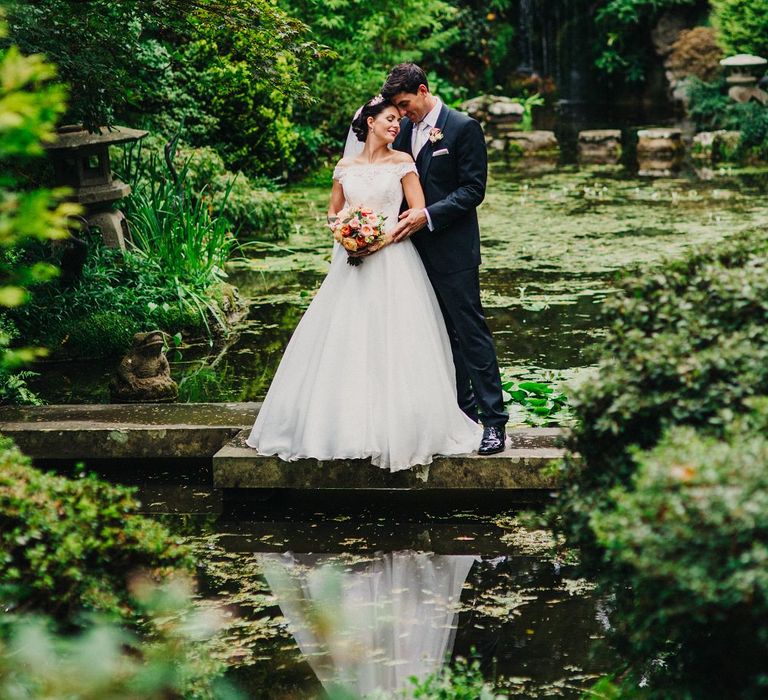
(215, 434)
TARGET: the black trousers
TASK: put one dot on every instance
(478, 382)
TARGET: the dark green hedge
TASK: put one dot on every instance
(70, 545)
(664, 488)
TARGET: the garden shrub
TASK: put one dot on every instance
(664, 482)
(255, 210)
(695, 52)
(685, 342)
(116, 296)
(710, 107)
(687, 541)
(742, 25)
(169, 659)
(69, 545)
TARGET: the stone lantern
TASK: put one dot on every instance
(81, 161)
(742, 77)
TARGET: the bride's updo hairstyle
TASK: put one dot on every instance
(372, 108)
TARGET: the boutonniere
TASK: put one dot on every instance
(435, 134)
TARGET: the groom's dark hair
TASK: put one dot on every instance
(405, 77)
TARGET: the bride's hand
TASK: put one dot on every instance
(374, 248)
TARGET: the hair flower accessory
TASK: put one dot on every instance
(435, 135)
(376, 100)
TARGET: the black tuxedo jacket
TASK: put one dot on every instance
(453, 173)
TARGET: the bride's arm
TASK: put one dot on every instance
(414, 195)
(337, 200)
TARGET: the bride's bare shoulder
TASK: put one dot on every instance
(401, 157)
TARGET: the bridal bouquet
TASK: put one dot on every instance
(358, 229)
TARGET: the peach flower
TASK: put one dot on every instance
(349, 243)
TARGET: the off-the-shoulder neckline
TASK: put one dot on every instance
(402, 162)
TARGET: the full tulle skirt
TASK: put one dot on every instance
(368, 372)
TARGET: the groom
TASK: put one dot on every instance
(450, 155)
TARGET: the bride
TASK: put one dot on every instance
(368, 372)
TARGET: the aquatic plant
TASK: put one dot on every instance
(542, 403)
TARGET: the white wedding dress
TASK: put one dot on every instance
(368, 372)
(372, 625)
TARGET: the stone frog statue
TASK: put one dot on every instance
(144, 374)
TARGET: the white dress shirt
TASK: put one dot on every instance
(420, 132)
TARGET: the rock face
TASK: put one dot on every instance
(659, 151)
(493, 110)
(144, 374)
(600, 147)
(501, 118)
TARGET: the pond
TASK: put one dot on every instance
(552, 245)
(322, 591)
(367, 590)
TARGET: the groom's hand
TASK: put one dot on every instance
(411, 220)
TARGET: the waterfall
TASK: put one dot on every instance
(525, 36)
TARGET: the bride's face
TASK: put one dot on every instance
(386, 124)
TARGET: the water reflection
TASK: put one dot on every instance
(374, 623)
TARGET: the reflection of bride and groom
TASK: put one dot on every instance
(393, 359)
(371, 626)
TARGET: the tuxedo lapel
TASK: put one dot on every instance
(425, 155)
(405, 137)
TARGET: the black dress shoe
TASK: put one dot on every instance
(493, 441)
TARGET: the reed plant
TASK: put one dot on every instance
(180, 231)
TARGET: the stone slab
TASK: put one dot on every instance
(520, 467)
(125, 431)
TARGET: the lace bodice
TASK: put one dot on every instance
(375, 185)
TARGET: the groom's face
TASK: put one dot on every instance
(415, 106)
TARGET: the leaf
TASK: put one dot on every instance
(536, 387)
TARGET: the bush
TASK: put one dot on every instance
(622, 28)
(69, 545)
(742, 25)
(687, 344)
(107, 661)
(665, 498)
(30, 104)
(696, 53)
(253, 212)
(116, 296)
(687, 542)
(710, 108)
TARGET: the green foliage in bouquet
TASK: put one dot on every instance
(68, 546)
